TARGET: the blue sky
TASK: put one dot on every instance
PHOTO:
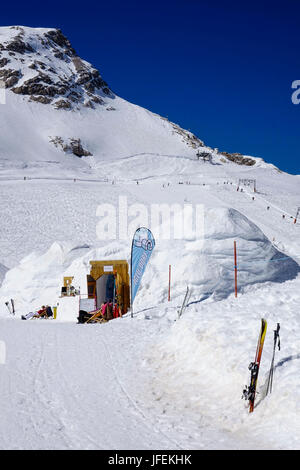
(222, 69)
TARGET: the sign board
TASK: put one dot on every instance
(108, 269)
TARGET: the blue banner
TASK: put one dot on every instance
(143, 244)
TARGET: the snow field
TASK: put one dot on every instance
(154, 382)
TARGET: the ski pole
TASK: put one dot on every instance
(271, 373)
(169, 292)
(235, 270)
(8, 307)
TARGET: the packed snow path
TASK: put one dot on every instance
(67, 386)
(61, 388)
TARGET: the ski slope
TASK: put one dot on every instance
(151, 382)
(85, 398)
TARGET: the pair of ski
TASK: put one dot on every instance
(11, 306)
(249, 392)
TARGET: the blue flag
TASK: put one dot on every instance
(142, 246)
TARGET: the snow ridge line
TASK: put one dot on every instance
(261, 261)
(128, 157)
(131, 400)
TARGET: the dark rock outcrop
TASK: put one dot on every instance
(17, 45)
(238, 158)
(74, 146)
(77, 149)
(68, 85)
(4, 62)
(56, 36)
(9, 77)
(40, 99)
(62, 104)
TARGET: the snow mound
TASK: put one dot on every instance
(38, 278)
(3, 271)
(206, 265)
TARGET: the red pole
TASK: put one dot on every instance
(169, 295)
(235, 269)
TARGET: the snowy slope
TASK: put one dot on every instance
(3, 271)
(174, 359)
(60, 118)
(151, 382)
(53, 97)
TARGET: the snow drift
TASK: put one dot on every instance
(3, 271)
(207, 265)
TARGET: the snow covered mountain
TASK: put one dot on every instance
(61, 116)
(58, 103)
(42, 65)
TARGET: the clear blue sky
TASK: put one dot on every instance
(222, 69)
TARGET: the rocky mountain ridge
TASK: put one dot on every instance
(42, 65)
(42, 73)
